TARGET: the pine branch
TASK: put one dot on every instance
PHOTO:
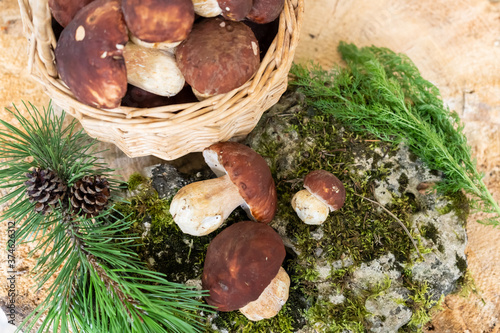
(100, 284)
(383, 93)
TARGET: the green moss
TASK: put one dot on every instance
(347, 316)
(461, 264)
(422, 305)
(403, 182)
(164, 247)
(467, 285)
(430, 231)
(135, 180)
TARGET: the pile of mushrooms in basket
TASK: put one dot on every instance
(146, 53)
(242, 269)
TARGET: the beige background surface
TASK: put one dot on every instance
(456, 45)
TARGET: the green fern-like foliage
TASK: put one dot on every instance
(383, 93)
(101, 285)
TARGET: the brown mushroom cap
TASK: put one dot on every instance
(89, 54)
(156, 21)
(235, 10)
(63, 11)
(250, 173)
(265, 11)
(241, 261)
(326, 187)
(218, 56)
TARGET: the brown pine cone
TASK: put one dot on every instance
(90, 195)
(45, 189)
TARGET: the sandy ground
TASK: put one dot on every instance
(456, 45)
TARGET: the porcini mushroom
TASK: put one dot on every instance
(207, 8)
(244, 180)
(156, 21)
(89, 54)
(243, 271)
(152, 70)
(324, 192)
(234, 10)
(63, 11)
(265, 11)
(218, 56)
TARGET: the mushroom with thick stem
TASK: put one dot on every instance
(153, 70)
(243, 271)
(244, 180)
(218, 56)
(155, 21)
(324, 192)
(89, 54)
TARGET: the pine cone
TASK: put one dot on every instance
(90, 195)
(45, 188)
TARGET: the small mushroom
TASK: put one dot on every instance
(218, 56)
(234, 10)
(155, 21)
(265, 11)
(207, 8)
(89, 54)
(243, 271)
(63, 11)
(244, 180)
(324, 192)
(153, 70)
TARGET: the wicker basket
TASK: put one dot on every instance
(169, 131)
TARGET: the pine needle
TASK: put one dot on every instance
(383, 93)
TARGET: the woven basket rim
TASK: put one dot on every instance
(128, 122)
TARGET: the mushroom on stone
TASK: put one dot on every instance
(152, 70)
(265, 11)
(324, 192)
(63, 11)
(155, 21)
(244, 180)
(89, 54)
(218, 56)
(243, 271)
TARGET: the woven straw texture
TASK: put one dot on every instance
(172, 131)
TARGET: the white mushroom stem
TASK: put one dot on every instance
(153, 70)
(201, 207)
(271, 300)
(207, 8)
(310, 209)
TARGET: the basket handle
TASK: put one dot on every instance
(41, 33)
